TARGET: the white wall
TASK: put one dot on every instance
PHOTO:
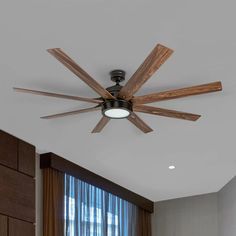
(227, 209)
(204, 215)
(191, 216)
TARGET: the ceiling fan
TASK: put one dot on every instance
(119, 102)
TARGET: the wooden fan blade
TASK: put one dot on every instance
(153, 62)
(56, 95)
(77, 70)
(71, 113)
(165, 112)
(101, 124)
(178, 93)
(139, 123)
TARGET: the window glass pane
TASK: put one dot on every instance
(90, 211)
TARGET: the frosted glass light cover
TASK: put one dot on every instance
(117, 113)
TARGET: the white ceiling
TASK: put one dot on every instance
(103, 35)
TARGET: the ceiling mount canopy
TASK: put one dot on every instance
(119, 102)
(117, 76)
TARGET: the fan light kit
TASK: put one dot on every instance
(119, 102)
(172, 167)
(119, 108)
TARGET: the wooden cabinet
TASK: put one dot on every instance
(20, 228)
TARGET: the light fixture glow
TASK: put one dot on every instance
(117, 113)
(116, 109)
(171, 167)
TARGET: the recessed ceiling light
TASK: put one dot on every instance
(171, 167)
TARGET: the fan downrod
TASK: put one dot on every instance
(117, 76)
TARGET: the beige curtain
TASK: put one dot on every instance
(144, 227)
(53, 202)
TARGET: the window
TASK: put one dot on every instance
(90, 211)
